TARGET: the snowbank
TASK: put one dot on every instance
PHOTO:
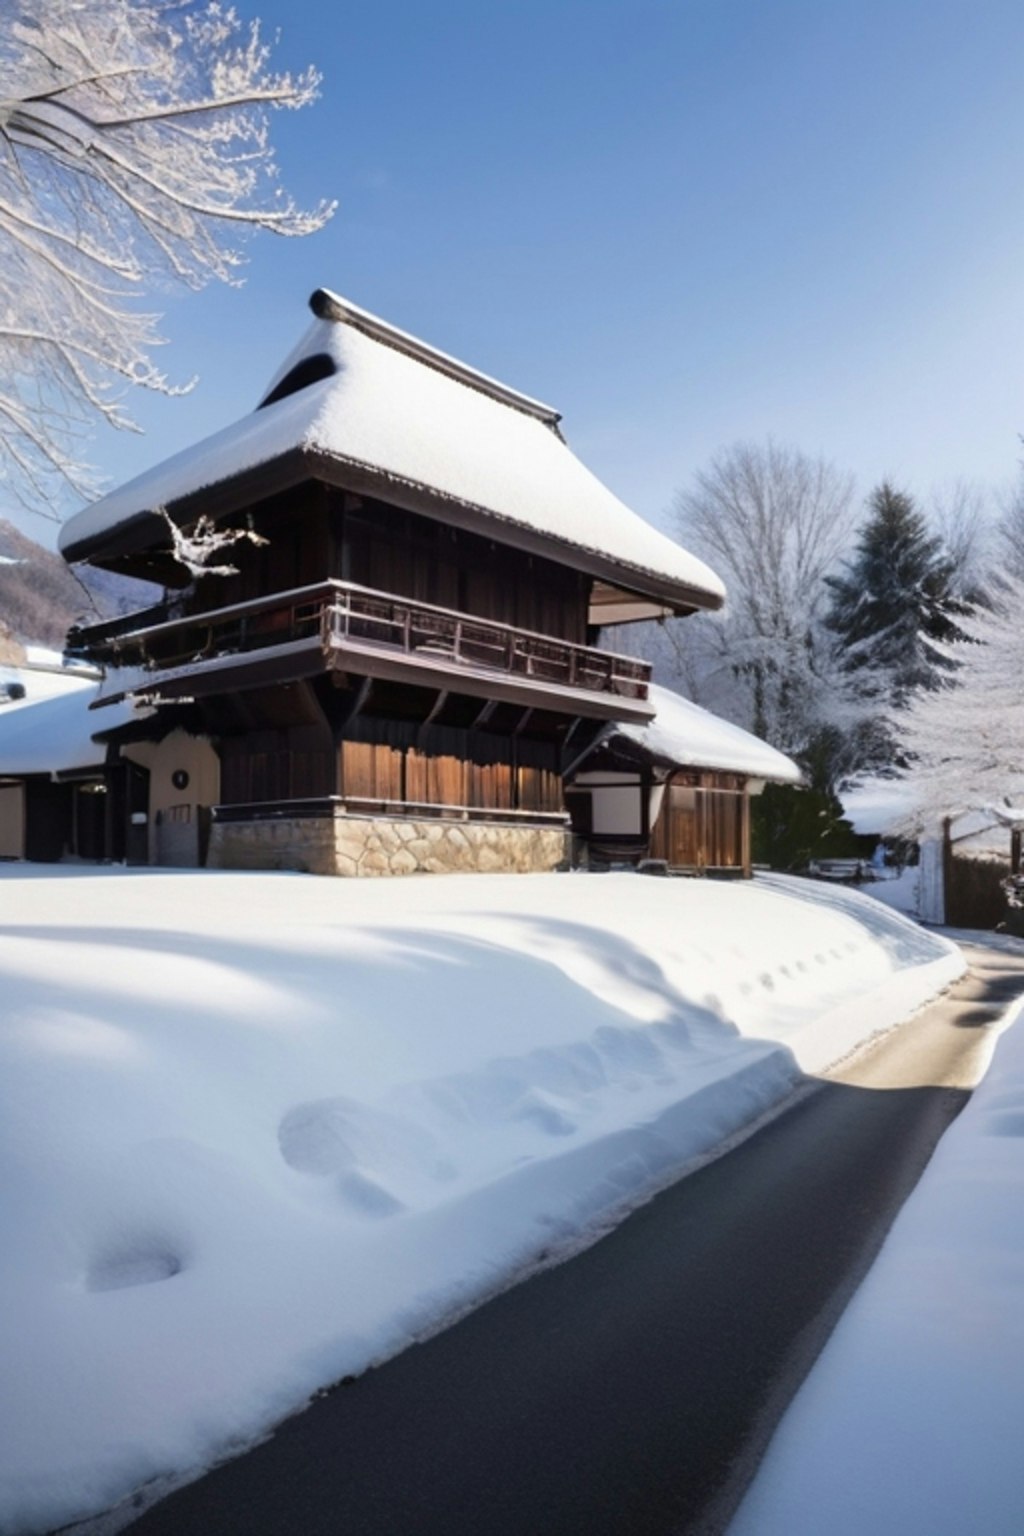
(899, 890)
(910, 1422)
(261, 1131)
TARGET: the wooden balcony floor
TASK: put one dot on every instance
(342, 627)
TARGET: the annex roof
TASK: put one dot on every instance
(683, 735)
(53, 733)
(366, 405)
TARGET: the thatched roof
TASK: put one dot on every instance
(361, 404)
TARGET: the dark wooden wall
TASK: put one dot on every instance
(298, 551)
(294, 763)
(316, 532)
(412, 556)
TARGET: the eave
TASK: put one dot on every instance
(130, 546)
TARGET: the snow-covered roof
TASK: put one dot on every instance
(684, 734)
(875, 807)
(418, 422)
(54, 734)
(41, 678)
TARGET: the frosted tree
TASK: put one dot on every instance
(772, 521)
(965, 739)
(959, 515)
(134, 151)
(1010, 529)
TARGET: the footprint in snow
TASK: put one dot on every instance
(366, 1197)
(142, 1263)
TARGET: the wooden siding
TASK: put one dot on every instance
(445, 766)
(416, 557)
(704, 823)
(315, 532)
(291, 764)
(394, 762)
(297, 553)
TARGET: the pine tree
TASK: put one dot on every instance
(894, 612)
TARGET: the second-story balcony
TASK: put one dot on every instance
(337, 625)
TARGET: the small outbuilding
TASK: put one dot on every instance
(677, 790)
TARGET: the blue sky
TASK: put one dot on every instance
(682, 224)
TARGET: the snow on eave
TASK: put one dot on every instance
(686, 736)
(876, 807)
(1005, 815)
(405, 415)
(55, 734)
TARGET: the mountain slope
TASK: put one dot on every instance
(41, 596)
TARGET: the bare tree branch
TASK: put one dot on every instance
(773, 521)
(134, 134)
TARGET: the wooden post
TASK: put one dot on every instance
(746, 859)
(1015, 838)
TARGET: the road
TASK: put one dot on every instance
(630, 1391)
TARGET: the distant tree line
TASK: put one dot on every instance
(846, 641)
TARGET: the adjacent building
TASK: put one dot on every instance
(676, 789)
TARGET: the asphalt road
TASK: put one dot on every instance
(630, 1391)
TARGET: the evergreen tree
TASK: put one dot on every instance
(894, 611)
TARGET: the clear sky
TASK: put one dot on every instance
(681, 222)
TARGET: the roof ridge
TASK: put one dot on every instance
(330, 306)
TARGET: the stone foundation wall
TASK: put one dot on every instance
(377, 845)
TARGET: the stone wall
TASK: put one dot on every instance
(378, 845)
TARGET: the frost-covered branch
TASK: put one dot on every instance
(134, 145)
(196, 549)
(966, 739)
(772, 521)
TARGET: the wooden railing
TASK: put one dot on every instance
(342, 615)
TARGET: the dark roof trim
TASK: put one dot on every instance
(147, 530)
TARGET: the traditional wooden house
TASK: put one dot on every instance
(676, 789)
(406, 657)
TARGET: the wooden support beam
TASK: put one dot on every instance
(437, 706)
(359, 702)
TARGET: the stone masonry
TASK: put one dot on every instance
(377, 845)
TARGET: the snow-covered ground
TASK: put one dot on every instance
(910, 1423)
(898, 889)
(260, 1131)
